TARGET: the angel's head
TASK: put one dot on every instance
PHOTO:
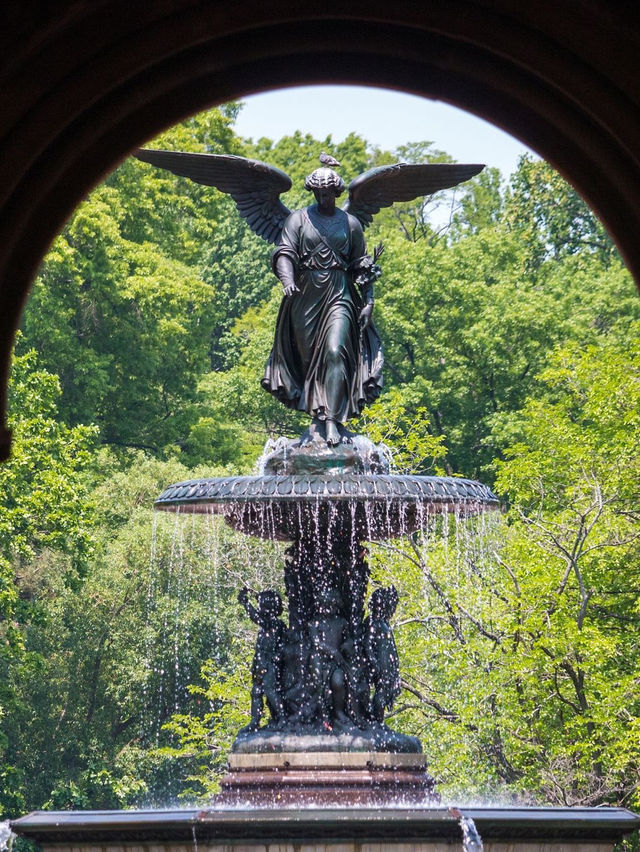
(324, 178)
(327, 185)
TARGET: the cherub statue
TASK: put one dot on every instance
(266, 671)
(381, 651)
(326, 357)
(327, 665)
(358, 700)
(298, 704)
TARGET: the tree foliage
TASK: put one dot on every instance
(551, 217)
(43, 523)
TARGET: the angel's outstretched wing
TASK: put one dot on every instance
(254, 186)
(381, 186)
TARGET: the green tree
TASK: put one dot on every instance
(574, 486)
(549, 214)
(468, 326)
(43, 512)
(176, 214)
(235, 396)
(132, 331)
(426, 218)
(398, 421)
(120, 310)
(111, 655)
(481, 204)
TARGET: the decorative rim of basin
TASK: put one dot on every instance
(235, 491)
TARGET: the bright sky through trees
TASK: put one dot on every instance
(384, 118)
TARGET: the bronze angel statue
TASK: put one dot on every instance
(327, 356)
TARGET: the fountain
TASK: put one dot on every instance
(324, 769)
(329, 674)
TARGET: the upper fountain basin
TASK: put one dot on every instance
(379, 505)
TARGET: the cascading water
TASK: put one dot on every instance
(196, 566)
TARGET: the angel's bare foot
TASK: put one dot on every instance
(332, 433)
(346, 436)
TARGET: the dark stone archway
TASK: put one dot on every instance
(84, 82)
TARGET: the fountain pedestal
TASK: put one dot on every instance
(327, 779)
(330, 673)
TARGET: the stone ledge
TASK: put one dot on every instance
(431, 828)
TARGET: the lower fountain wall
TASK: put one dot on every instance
(385, 829)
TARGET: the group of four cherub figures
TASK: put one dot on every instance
(321, 674)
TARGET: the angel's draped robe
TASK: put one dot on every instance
(321, 362)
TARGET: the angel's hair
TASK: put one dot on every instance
(323, 178)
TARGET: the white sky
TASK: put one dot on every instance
(383, 117)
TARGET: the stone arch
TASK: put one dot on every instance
(86, 82)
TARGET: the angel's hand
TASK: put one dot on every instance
(365, 315)
(290, 288)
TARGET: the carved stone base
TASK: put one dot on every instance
(327, 778)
